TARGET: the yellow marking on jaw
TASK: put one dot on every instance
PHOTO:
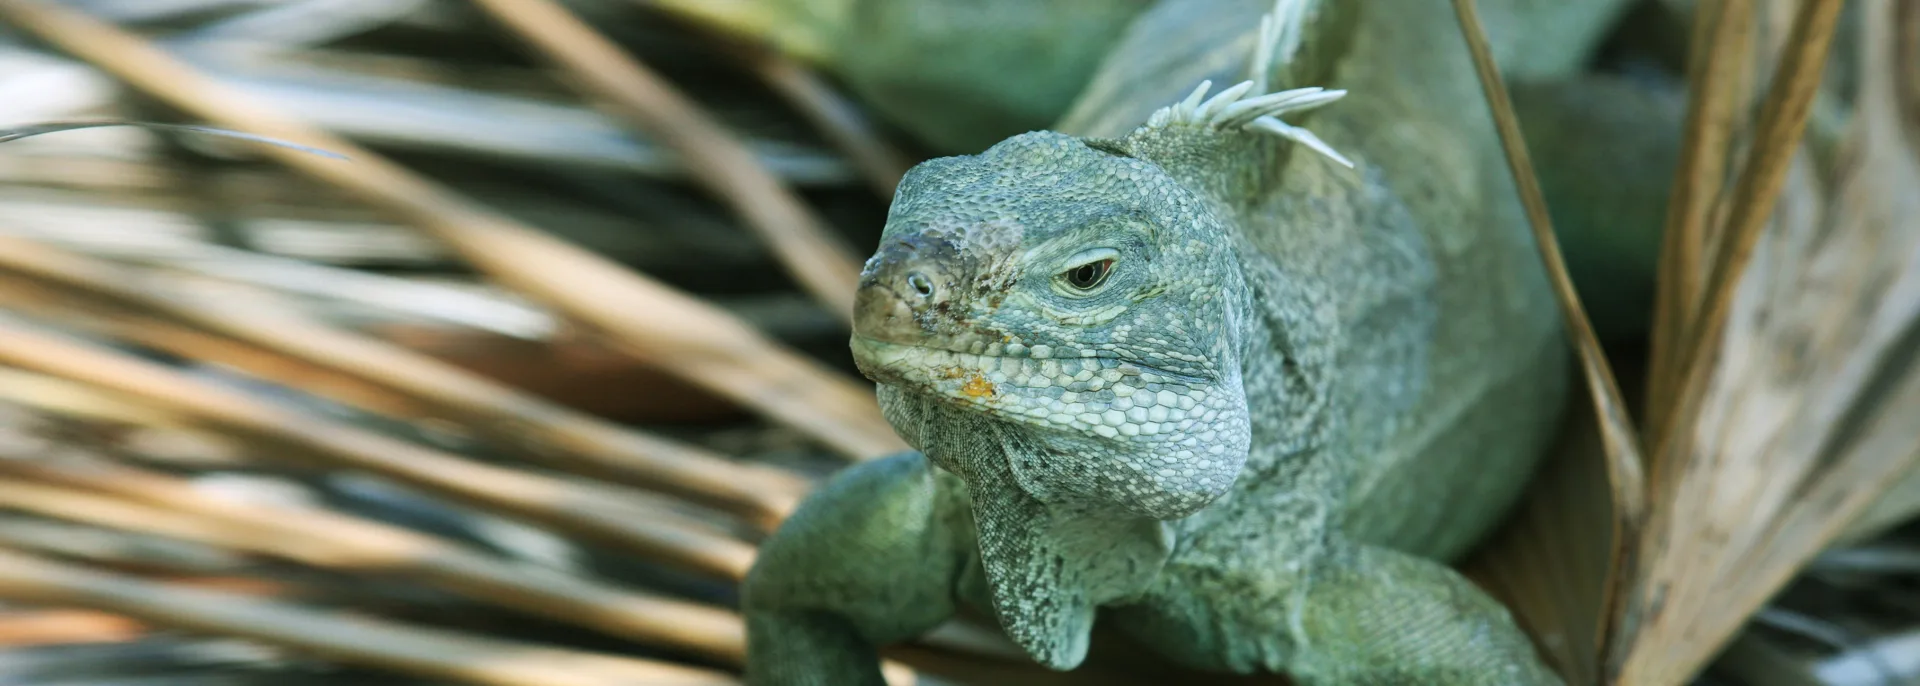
(977, 386)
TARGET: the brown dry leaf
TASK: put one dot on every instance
(657, 323)
(1720, 76)
(1803, 412)
(276, 343)
(1784, 399)
(142, 501)
(433, 653)
(849, 128)
(1545, 571)
(64, 626)
(818, 259)
(608, 513)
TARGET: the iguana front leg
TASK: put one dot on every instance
(1329, 611)
(871, 558)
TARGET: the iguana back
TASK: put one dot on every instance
(962, 74)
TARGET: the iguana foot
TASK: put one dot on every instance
(870, 558)
(1357, 616)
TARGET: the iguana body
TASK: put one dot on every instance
(961, 75)
(1290, 392)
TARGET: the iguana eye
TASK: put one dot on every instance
(1086, 276)
(1088, 271)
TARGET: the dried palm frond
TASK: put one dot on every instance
(1799, 399)
(459, 527)
(708, 346)
(1782, 401)
(820, 260)
(469, 659)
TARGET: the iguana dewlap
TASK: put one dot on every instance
(1200, 372)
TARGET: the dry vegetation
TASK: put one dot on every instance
(508, 395)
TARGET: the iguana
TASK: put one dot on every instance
(1244, 396)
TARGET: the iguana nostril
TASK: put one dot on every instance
(920, 284)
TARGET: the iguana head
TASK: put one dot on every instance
(1083, 300)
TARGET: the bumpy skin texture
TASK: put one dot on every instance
(1293, 393)
(960, 75)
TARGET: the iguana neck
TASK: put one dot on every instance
(1049, 566)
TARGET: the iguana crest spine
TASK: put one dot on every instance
(1232, 109)
(1248, 105)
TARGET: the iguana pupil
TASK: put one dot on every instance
(1089, 275)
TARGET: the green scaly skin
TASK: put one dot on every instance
(1297, 392)
(960, 75)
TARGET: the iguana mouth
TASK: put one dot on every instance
(1126, 368)
(1104, 396)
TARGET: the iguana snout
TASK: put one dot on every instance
(907, 288)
